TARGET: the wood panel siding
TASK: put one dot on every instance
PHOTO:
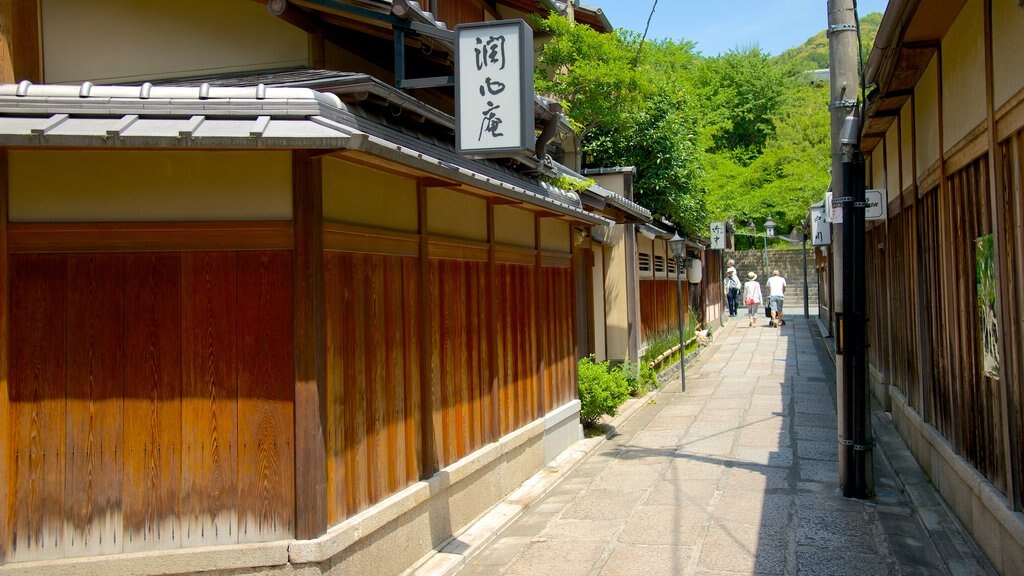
(659, 307)
(558, 331)
(931, 250)
(95, 396)
(373, 408)
(38, 404)
(151, 402)
(517, 351)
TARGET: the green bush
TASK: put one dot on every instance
(602, 391)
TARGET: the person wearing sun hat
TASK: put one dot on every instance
(752, 296)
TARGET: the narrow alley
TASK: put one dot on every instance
(738, 475)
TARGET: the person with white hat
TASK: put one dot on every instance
(752, 296)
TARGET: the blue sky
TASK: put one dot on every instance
(720, 25)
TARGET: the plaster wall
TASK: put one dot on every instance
(363, 196)
(877, 168)
(892, 162)
(963, 74)
(1007, 51)
(111, 41)
(456, 215)
(926, 120)
(616, 302)
(514, 227)
(155, 186)
(554, 236)
(600, 345)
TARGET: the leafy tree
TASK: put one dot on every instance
(741, 91)
(630, 107)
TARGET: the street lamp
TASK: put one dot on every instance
(676, 244)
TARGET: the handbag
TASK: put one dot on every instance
(750, 301)
(768, 311)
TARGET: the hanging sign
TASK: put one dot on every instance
(718, 235)
(494, 89)
(821, 230)
(875, 205)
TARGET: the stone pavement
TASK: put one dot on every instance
(738, 475)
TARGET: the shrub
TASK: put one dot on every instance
(640, 378)
(602, 391)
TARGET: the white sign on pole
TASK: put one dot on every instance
(832, 214)
(875, 205)
(494, 89)
(718, 235)
(821, 230)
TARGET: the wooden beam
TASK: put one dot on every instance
(364, 240)
(428, 396)
(310, 370)
(149, 236)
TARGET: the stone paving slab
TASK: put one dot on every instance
(736, 475)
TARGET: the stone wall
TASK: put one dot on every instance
(790, 264)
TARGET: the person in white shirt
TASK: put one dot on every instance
(732, 290)
(776, 296)
(752, 296)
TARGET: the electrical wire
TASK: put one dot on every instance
(636, 59)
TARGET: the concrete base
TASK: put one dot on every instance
(982, 509)
(387, 538)
(562, 429)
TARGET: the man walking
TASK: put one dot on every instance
(732, 290)
(776, 296)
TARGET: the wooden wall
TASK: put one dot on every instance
(154, 379)
(659, 307)
(150, 400)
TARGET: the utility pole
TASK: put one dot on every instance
(856, 476)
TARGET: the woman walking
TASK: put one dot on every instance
(752, 296)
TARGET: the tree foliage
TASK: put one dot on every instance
(630, 107)
(740, 135)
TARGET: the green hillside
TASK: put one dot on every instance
(813, 54)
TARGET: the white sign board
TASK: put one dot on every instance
(718, 235)
(494, 89)
(876, 206)
(821, 230)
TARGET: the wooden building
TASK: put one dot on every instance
(256, 314)
(944, 135)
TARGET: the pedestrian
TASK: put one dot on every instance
(776, 296)
(731, 265)
(732, 291)
(752, 296)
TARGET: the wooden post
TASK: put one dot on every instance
(20, 55)
(428, 394)
(6, 512)
(540, 333)
(492, 331)
(310, 371)
(1004, 295)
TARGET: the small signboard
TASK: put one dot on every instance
(821, 230)
(718, 235)
(494, 89)
(875, 205)
(833, 214)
